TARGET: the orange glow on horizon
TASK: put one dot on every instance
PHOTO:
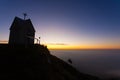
(77, 47)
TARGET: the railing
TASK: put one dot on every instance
(38, 40)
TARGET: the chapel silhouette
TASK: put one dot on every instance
(22, 32)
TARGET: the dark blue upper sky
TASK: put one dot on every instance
(66, 21)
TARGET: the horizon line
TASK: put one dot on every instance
(77, 47)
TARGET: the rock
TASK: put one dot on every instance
(35, 62)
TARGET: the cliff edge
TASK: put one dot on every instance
(35, 62)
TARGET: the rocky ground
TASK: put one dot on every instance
(35, 62)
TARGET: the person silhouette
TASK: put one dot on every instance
(70, 61)
(39, 40)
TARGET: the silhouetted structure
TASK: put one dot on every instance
(21, 32)
(70, 61)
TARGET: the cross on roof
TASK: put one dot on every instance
(25, 14)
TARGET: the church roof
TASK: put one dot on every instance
(19, 23)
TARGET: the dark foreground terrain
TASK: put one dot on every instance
(35, 62)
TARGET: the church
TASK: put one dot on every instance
(22, 32)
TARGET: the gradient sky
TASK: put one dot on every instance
(87, 23)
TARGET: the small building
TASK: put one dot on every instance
(21, 32)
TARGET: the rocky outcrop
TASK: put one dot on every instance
(35, 62)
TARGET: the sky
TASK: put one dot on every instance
(74, 24)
